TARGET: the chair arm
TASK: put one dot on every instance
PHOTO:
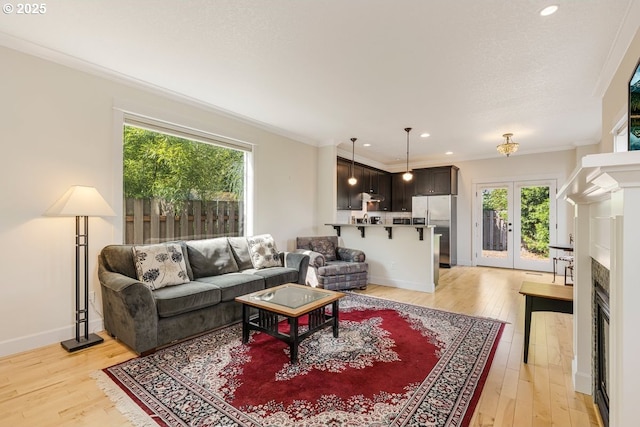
(350, 255)
(299, 261)
(316, 259)
(129, 310)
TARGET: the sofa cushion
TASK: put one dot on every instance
(240, 250)
(263, 251)
(174, 300)
(234, 284)
(275, 276)
(160, 265)
(325, 247)
(334, 268)
(211, 257)
(119, 259)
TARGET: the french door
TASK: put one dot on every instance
(513, 224)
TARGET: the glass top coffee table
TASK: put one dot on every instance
(291, 301)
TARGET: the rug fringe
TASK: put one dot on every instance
(123, 403)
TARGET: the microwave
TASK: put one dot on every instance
(403, 221)
(419, 221)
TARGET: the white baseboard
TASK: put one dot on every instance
(582, 382)
(41, 339)
(403, 284)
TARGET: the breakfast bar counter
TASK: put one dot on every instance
(388, 227)
(399, 255)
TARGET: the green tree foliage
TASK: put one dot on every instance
(175, 170)
(534, 219)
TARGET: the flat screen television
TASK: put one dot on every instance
(634, 109)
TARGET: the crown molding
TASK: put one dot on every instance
(621, 43)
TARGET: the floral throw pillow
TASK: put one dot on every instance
(160, 265)
(325, 247)
(263, 251)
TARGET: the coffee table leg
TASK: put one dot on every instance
(245, 323)
(334, 308)
(293, 334)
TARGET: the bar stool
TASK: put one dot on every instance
(568, 268)
(565, 258)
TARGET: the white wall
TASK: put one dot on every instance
(57, 129)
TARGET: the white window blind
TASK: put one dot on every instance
(185, 132)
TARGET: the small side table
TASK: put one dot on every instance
(543, 297)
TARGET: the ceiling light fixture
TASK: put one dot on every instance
(508, 147)
(407, 176)
(353, 180)
(425, 135)
(549, 10)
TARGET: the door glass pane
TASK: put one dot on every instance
(495, 219)
(534, 222)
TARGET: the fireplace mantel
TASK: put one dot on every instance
(598, 175)
(605, 192)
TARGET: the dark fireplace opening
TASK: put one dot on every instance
(602, 380)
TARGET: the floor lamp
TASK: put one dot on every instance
(81, 202)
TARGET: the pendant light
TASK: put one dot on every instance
(407, 176)
(508, 147)
(353, 180)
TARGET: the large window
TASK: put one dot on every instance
(180, 185)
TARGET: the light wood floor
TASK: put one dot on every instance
(50, 387)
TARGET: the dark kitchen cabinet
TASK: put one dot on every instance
(384, 189)
(377, 183)
(370, 180)
(401, 193)
(436, 181)
(344, 172)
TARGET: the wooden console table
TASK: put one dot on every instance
(543, 297)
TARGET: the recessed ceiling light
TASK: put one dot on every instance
(425, 135)
(549, 10)
(366, 145)
(448, 153)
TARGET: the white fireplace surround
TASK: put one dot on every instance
(605, 192)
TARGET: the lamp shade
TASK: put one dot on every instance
(80, 201)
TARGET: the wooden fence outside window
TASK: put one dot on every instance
(147, 223)
(494, 231)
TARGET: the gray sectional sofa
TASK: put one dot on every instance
(145, 317)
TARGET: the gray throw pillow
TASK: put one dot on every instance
(325, 247)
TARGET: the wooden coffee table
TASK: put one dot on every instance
(291, 301)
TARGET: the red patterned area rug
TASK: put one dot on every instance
(393, 364)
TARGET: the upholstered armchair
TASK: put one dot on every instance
(331, 266)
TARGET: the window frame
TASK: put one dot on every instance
(123, 116)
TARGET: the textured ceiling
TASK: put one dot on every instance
(465, 71)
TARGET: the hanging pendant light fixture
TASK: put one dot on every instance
(508, 147)
(407, 176)
(353, 180)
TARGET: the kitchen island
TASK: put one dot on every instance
(398, 255)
